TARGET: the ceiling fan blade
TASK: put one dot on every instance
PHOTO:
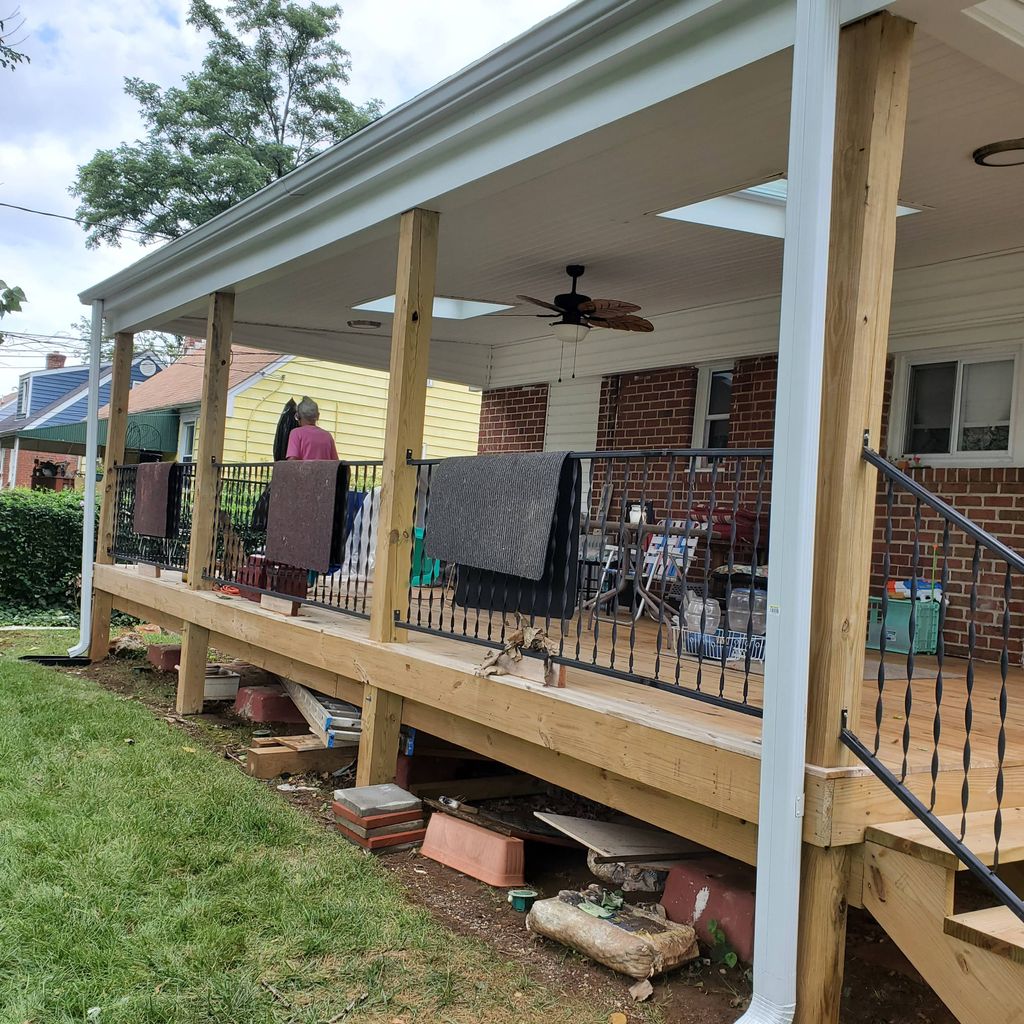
(624, 323)
(605, 308)
(539, 302)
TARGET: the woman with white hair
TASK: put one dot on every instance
(307, 441)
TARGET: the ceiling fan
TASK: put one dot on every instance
(578, 312)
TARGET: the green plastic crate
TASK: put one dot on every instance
(897, 626)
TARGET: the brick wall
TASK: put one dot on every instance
(513, 419)
(26, 461)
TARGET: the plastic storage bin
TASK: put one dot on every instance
(710, 645)
(897, 626)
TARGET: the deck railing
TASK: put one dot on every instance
(908, 748)
(656, 546)
(167, 552)
(240, 538)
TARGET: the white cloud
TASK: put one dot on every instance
(69, 102)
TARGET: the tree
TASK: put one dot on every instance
(10, 26)
(11, 298)
(168, 347)
(266, 100)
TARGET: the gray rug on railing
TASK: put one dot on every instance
(494, 511)
(306, 518)
(154, 514)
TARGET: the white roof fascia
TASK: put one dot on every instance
(242, 386)
(586, 67)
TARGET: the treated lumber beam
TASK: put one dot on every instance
(871, 107)
(594, 720)
(379, 738)
(403, 432)
(212, 417)
(113, 456)
(195, 647)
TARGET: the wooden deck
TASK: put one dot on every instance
(678, 762)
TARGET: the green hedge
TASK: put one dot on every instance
(40, 548)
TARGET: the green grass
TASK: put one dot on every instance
(153, 880)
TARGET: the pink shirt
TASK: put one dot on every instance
(311, 443)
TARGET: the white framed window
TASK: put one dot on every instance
(952, 407)
(187, 441)
(23, 391)
(713, 406)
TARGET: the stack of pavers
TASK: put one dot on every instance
(379, 817)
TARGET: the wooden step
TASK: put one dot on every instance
(913, 837)
(996, 929)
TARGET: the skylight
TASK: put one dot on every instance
(758, 210)
(445, 309)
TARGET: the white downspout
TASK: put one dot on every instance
(794, 500)
(89, 498)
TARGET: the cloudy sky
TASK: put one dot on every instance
(66, 104)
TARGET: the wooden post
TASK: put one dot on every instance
(874, 77)
(871, 106)
(113, 456)
(407, 395)
(212, 416)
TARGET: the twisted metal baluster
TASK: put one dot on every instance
(638, 569)
(727, 628)
(665, 562)
(583, 562)
(1004, 667)
(707, 569)
(687, 526)
(972, 638)
(755, 542)
(908, 697)
(940, 657)
(890, 491)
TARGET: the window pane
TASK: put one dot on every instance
(720, 398)
(986, 394)
(930, 408)
(718, 434)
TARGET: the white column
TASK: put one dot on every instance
(89, 464)
(12, 470)
(794, 500)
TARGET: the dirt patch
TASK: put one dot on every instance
(880, 986)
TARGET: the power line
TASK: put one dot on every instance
(80, 220)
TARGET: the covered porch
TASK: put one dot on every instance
(581, 142)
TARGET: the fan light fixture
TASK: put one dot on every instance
(570, 334)
(1008, 153)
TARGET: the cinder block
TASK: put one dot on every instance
(165, 657)
(714, 889)
(266, 704)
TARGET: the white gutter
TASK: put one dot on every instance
(794, 497)
(89, 499)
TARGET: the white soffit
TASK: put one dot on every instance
(1003, 16)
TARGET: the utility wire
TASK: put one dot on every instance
(80, 220)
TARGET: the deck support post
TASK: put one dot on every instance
(871, 105)
(407, 396)
(210, 425)
(113, 456)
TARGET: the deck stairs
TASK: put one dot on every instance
(974, 960)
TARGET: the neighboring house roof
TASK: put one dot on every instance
(181, 383)
(71, 404)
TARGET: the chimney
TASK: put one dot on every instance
(55, 360)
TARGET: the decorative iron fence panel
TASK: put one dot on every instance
(167, 552)
(240, 538)
(657, 574)
(934, 714)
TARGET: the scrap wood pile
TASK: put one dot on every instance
(331, 743)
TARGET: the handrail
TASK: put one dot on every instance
(950, 514)
(643, 453)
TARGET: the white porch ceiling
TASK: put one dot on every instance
(593, 201)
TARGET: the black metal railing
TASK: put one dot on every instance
(946, 623)
(169, 552)
(240, 538)
(657, 573)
